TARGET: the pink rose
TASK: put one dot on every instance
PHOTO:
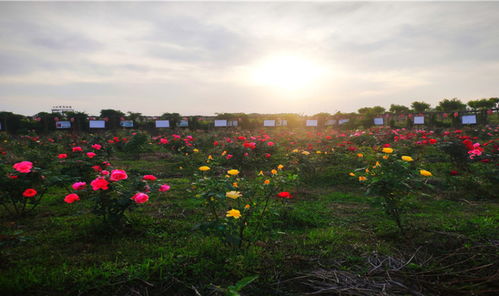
(71, 198)
(99, 183)
(77, 149)
(91, 154)
(96, 146)
(117, 175)
(23, 166)
(62, 156)
(164, 187)
(140, 197)
(79, 185)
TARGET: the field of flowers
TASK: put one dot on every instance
(263, 212)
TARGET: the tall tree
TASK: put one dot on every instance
(420, 107)
(453, 105)
(113, 116)
(397, 109)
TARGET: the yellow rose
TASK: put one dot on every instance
(232, 172)
(280, 167)
(273, 172)
(361, 178)
(266, 182)
(407, 158)
(233, 213)
(387, 150)
(260, 173)
(233, 194)
(351, 174)
(305, 153)
(195, 150)
(204, 168)
(235, 185)
(360, 155)
(247, 206)
(425, 173)
(386, 156)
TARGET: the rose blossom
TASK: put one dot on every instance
(117, 175)
(79, 185)
(99, 183)
(149, 178)
(140, 197)
(164, 187)
(71, 198)
(23, 166)
(30, 192)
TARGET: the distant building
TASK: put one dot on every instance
(62, 109)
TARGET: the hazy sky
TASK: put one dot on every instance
(202, 58)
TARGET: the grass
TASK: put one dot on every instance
(61, 250)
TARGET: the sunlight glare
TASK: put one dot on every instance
(286, 72)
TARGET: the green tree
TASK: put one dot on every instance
(114, 117)
(420, 107)
(483, 104)
(397, 109)
(11, 122)
(453, 105)
(174, 118)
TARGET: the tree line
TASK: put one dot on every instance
(44, 122)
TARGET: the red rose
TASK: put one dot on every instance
(149, 178)
(30, 192)
(284, 194)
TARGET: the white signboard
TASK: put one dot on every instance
(468, 119)
(269, 123)
(418, 119)
(378, 121)
(162, 123)
(63, 124)
(97, 124)
(183, 123)
(343, 121)
(311, 122)
(220, 123)
(331, 122)
(126, 123)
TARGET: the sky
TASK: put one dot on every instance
(206, 58)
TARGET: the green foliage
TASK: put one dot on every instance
(233, 204)
(448, 105)
(420, 107)
(12, 186)
(136, 145)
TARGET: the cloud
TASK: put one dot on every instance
(187, 57)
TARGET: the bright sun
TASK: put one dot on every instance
(286, 72)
